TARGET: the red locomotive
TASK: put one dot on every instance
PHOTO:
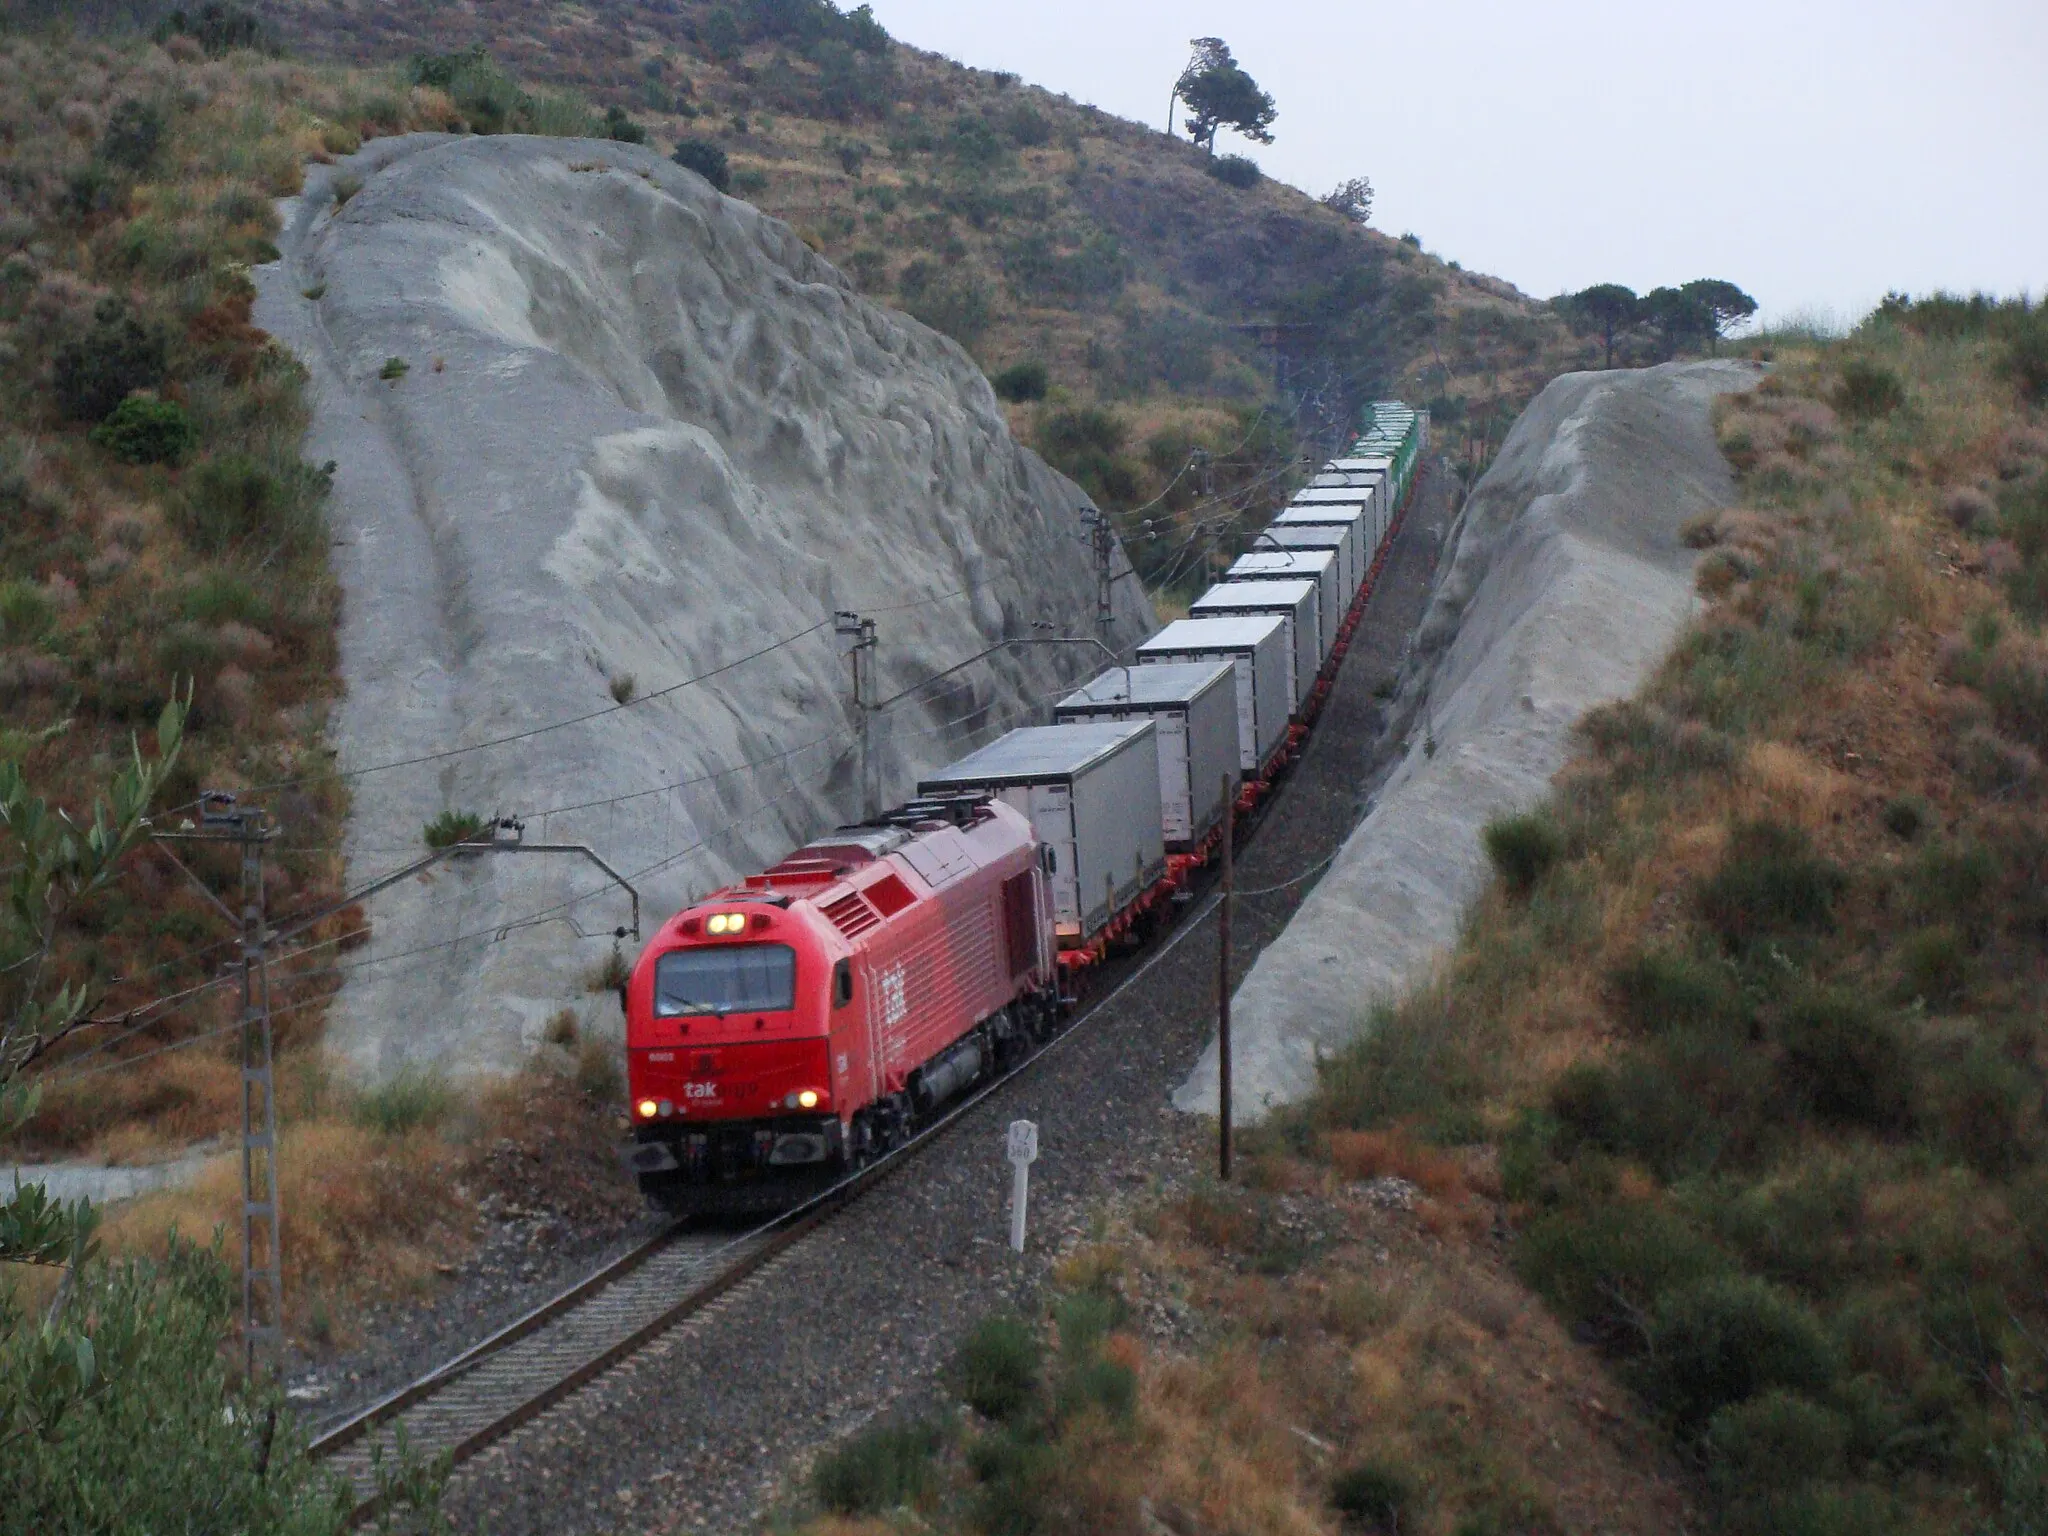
(794, 1026)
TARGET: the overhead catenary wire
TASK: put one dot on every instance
(157, 1008)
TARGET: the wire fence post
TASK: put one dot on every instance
(1223, 982)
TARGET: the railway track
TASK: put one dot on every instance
(518, 1373)
(545, 1356)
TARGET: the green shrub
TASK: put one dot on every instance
(394, 368)
(1868, 390)
(884, 1468)
(169, 1433)
(413, 1100)
(1108, 1385)
(219, 29)
(93, 373)
(26, 613)
(1413, 1065)
(222, 597)
(1639, 1108)
(621, 128)
(1240, 171)
(1955, 882)
(997, 1369)
(146, 430)
(1375, 1496)
(1084, 1320)
(1725, 1339)
(1773, 1441)
(1665, 989)
(955, 302)
(134, 132)
(1524, 849)
(233, 503)
(1022, 381)
(1843, 1062)
(2025, 360)
(1769, 882)
(1907, 817)
(1797, 1226)
(452, 827)
(1015, 1470)
(1984, 1101)
(707, 160)
(1934, 966)
(1606, 1267)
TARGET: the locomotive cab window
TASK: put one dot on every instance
(842, 983)
(1050, 857)
(731, 978)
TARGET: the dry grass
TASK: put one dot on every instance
(382, 1194)
(1394, 1344)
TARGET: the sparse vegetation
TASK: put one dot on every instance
(452, 827)
(1760, 1052)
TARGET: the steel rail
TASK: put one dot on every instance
(731, 1263)
(750, 1252)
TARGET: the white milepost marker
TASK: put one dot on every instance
(1023, 1151)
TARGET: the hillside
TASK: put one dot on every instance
(1736, 1074)
(1031, 228)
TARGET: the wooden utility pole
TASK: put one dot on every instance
(1223, 981)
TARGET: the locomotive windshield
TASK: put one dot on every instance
(735, 978)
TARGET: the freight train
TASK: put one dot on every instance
(791, 1028)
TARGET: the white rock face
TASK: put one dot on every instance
(642, 432)
(1566, 586)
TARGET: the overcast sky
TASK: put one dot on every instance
(1817, 152)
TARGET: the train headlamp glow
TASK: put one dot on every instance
(648, 1108)
(808, 1099)
(726, 922)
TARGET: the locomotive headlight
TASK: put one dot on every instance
(808, 1099)
(717, 923)
(648, 1109)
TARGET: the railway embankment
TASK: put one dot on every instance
(610, 451)
(1565, 583)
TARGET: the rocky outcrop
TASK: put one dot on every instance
(601, 433)
(1566, 584)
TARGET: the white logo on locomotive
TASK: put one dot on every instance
(895, 999)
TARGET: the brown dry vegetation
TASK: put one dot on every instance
(382, 1190)
(1327, 1333)
(114, 583)
(136, 186)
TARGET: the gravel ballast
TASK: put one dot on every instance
(715, 1422)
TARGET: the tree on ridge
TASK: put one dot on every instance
(1219, 94)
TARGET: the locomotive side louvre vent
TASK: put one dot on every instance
(851, 915)
(1020, 926)
(889, 894)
